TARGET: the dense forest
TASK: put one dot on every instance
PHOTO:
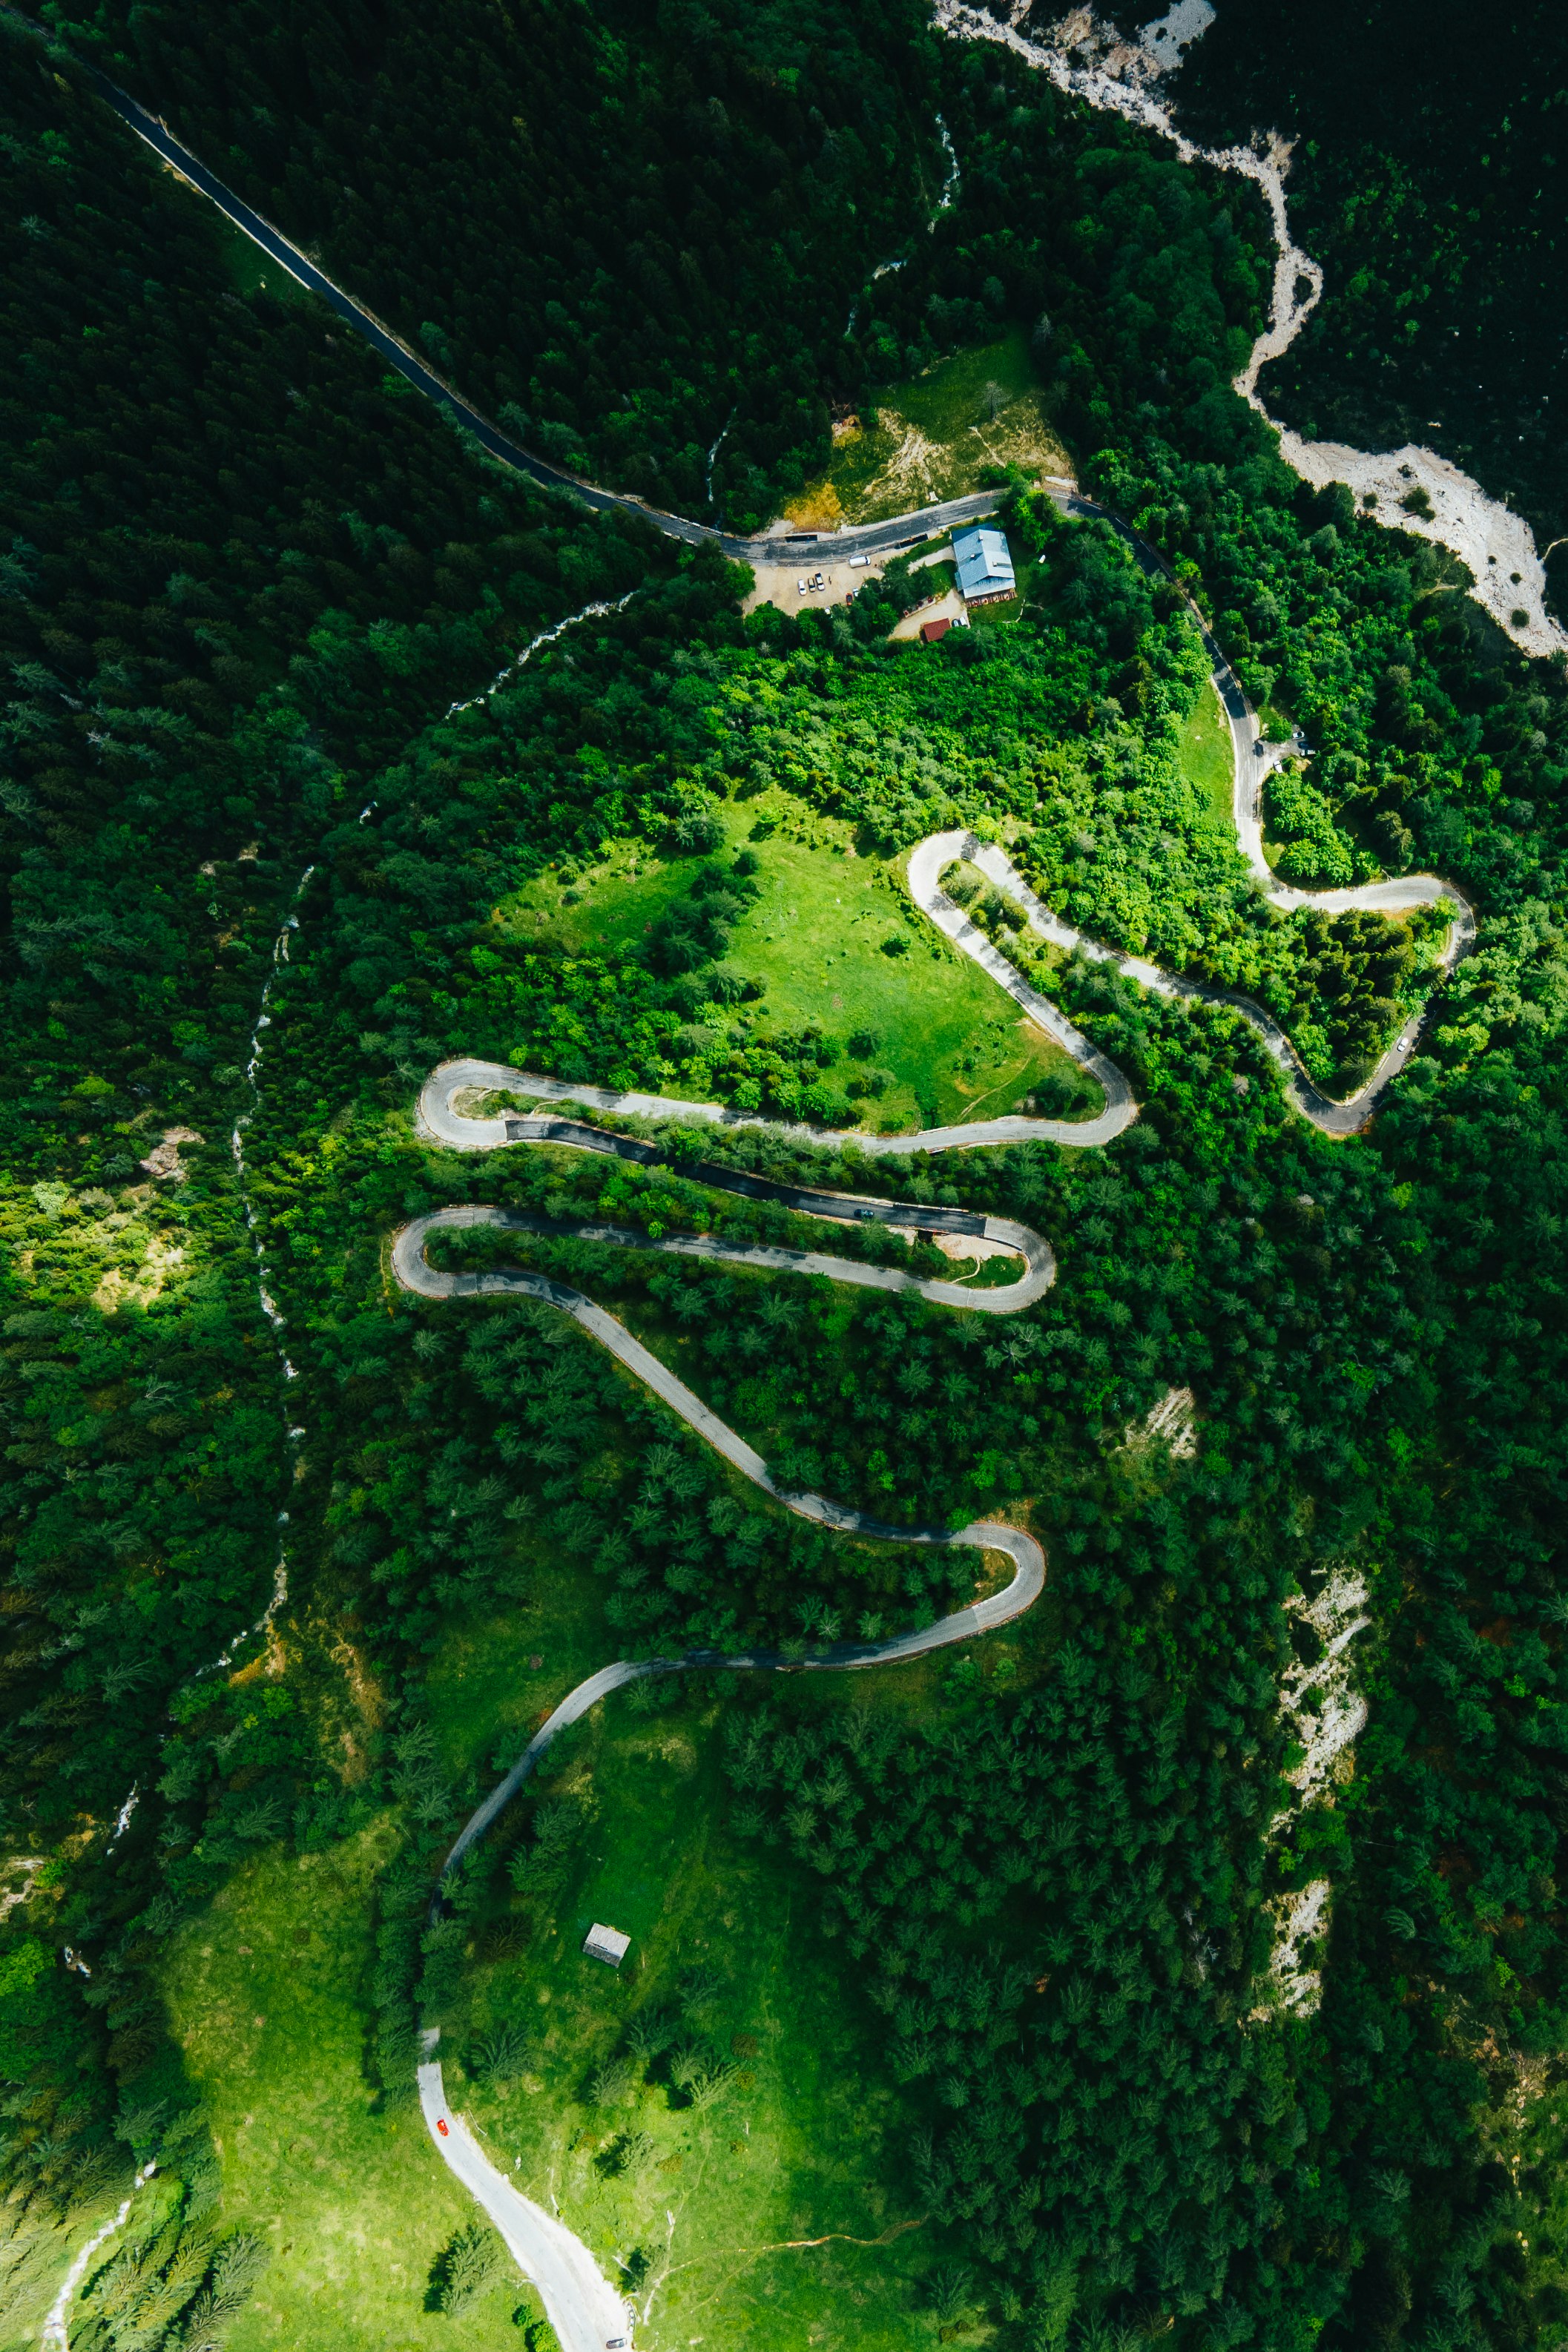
(631, 235)
(1426, 179)
(247, 578)
(239, 565)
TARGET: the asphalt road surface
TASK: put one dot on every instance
(584, 2309)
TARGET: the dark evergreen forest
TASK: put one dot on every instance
(1430, 178)
(239, 565)
(245, 578)
(631, 235)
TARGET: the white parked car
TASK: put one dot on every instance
(800, 587)
(858, 562)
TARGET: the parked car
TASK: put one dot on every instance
(858, 562)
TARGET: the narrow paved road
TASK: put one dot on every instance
(440, 1120)
(1331, 1117)
(927, 862)
(869, 539)
(584, 2309)
(1251, 759)
(1250, 754)
(580, 2300)
(1001, 1298)
(576, 2295)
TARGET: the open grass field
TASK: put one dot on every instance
(784, 2214)
(251, 270)
(780, 2215)
(268, 1992)
(1205, 754)
(931, 437)
(952, 1044)
(485, 1690)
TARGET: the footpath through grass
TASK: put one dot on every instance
(838, 944)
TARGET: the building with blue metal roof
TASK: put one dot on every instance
(984, 566)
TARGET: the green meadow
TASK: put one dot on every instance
(933, 436)
(268, 1994)
(782, 2210)
(1205, 754)
(781, 2214)
(817, 939)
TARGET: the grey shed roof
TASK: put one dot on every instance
(984, 565)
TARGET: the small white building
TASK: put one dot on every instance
(984, 566)
(606, 1944)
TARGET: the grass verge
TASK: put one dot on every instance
(267, 1993)
(1205, 754)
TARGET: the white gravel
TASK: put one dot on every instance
(1326, 1716)
(1091, 61)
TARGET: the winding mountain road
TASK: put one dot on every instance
(577, 2295)
(582, 2304)
(867, 539)
(585, 2310)
(1251, 755)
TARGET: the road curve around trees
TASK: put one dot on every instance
(866, 538)
(584, 2309)
(581, 2302)
(1252, 758)
(582, 2305)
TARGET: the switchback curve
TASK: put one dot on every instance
(952, 15)
(412, 1270)
(1331, 1117)
(582, 2305)
(576, 2294)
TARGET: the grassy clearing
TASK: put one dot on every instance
(251, 272)
(706, 2213)
(1205, 754)
(932, 438)
(267, 1993)
(268, 1997)
(950, 1043)
(485, 1689)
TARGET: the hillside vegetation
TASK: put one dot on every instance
(625, 232)
(1037, 1910)
(1430, 178)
